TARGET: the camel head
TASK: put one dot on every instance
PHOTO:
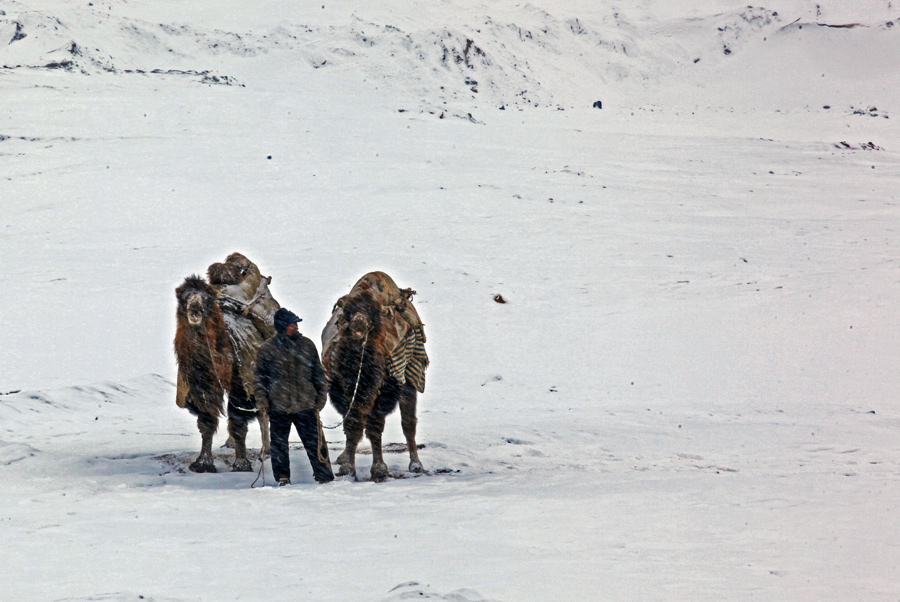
(196, 299)
(360, 325)
(363, 316)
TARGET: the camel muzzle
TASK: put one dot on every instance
(360, 326)
(194, 310)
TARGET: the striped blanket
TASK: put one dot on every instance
(409, 360)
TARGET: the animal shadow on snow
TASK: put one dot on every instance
(180, 462)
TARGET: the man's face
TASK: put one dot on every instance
(291, 328)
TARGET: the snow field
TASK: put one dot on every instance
(689, 394)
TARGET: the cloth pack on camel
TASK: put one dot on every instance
(405, 340)
(248, 309)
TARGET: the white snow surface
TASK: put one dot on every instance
(690, 393)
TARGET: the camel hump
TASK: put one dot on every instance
(390, 296)
(250, 294)
(382, 287)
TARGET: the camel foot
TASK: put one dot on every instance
(379, 472)
(416, 466)
(202, 466)
(242, 465)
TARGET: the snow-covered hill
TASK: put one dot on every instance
(690, 393)
(481, 54)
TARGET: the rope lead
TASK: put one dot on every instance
(356, 386)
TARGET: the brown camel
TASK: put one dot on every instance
(208, 369)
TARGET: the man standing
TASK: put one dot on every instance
(290, 385)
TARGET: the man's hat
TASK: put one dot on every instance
(284, 318)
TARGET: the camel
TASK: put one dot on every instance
(220, 326)
(373, 352)
(207, 370)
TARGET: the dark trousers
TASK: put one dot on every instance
(307, 424)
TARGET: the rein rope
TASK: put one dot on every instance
(262, 453)
(355, 387)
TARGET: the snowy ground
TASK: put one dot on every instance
(689, 395)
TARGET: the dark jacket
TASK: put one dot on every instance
(289, 377)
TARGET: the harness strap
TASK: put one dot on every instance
(322, 458)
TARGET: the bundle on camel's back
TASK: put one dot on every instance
(373, 350)
(247, 306)
(220, 326)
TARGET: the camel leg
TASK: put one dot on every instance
(237, 420)
(374, 428)
(237, 429)
(408, 420)
(354, 425)
(207, 425)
